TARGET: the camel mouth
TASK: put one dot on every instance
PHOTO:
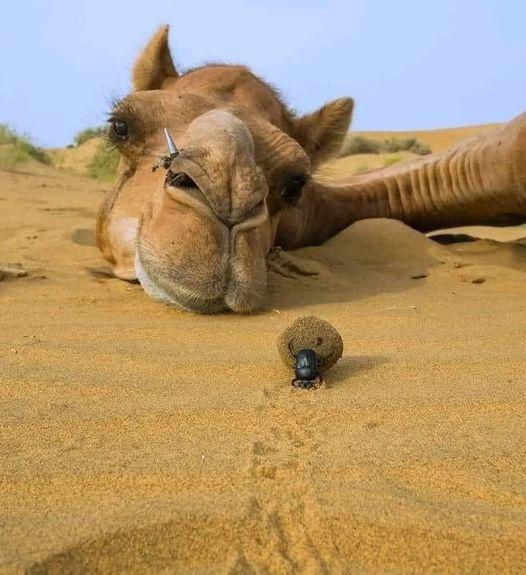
(221, 294)
(160, 287)
(209, 266)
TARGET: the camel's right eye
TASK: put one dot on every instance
(119, 129)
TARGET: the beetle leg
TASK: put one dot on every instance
(308, 383)
(317, 382)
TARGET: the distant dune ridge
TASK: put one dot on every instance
(138, 438)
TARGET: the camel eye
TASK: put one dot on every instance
(120, 129)
(291, 193)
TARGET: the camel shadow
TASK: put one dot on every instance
(367, 258)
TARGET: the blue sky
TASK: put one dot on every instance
(408, 63)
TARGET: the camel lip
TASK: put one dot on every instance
(181, 298)
(226, 293)
(195, 198)
(206, 192)
(175, 294)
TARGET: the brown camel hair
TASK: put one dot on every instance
(198, 234)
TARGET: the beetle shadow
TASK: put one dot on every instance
(351, 366)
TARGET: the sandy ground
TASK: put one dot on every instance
(136, 438)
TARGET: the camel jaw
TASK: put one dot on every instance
(182, 299)
(230, 277)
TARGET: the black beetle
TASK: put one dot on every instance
(306, 370)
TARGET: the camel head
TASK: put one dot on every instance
(236, 179)
(205, 221)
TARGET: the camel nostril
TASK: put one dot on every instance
(180, 180)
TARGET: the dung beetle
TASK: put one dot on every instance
(306, 370)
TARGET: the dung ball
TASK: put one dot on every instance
(311, 332)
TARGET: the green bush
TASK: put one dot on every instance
(362, 145)
(89, 134)
(359, 145)
(420, 149)
(394, 145)
(409, 144)
(103, 165)
(16, 149)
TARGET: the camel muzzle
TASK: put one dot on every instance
(204, 244)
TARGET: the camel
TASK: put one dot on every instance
(238, 181)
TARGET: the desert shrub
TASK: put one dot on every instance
(103, 165)
(16, 149)
(359, 145)
(420, 149)
(394, 145)
(362, 145)
(11, 156)
(89, 134)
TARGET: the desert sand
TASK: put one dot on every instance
(136, 438)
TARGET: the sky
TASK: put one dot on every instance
(408, 64)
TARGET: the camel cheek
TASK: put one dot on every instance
(191, 248)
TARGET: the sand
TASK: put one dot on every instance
(140, 439)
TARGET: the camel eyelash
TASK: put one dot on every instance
(121, 127)
(122, 120)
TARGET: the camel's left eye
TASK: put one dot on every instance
(120, 129)
(291, 193)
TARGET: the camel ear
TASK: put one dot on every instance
(321, 133)
(155, 63)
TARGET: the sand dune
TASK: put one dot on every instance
(77, 158)
(137, 438)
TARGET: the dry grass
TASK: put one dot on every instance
(17, 149)
(103, 165)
